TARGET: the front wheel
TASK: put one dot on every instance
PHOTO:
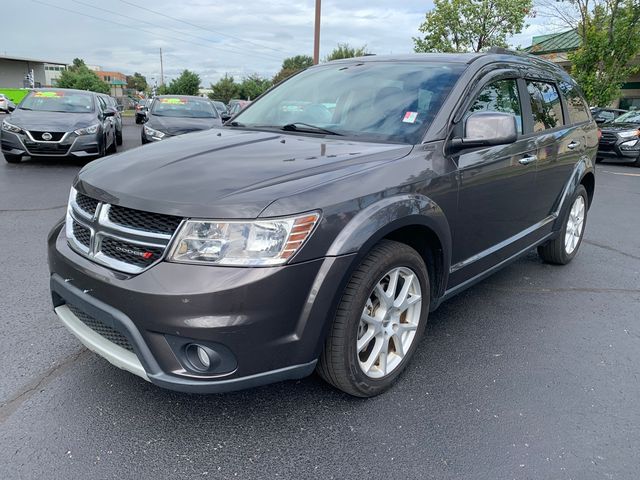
(562, 249)
(379, 321)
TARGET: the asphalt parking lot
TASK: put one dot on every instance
(532, 374)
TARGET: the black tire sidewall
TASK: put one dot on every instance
(580, 191)
(405, 257)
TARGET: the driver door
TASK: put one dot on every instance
(497, 186)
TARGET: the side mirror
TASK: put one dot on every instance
(225, 117)
(486, 129)
(109, 112)
(11, 108)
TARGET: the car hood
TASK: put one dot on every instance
(226, 173)
(51, 121)
(619, 127)
(180, 125)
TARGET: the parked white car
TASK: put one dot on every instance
(5, 103)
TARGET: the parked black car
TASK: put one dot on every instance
(320, 228)
(620, 139)
(116, 119)
(141, 110)
(58, 122)
(604, 115)
(171, 115)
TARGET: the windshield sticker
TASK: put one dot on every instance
(49, 94)
(173, 101)
(410, 117)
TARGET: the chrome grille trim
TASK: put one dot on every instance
(101, 227)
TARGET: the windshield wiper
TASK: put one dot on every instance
(307, 127)
(235, 124)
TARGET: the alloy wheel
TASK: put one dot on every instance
(389, 322)
(575, 224)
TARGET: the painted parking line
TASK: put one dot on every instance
(621, 173)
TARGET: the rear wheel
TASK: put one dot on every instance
(562, 249)
(12, 158)
(379, 321)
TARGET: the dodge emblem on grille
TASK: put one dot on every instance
(47, 136)
(137, 253)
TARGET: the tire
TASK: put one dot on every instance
(119, 138)
(102, 149)
(558, 251)
(12, 158)
(340, 363)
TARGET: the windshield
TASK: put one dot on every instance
(629, 117)
(58, 101)
(183, 107)
(376, 101)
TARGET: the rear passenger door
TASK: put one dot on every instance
(559, 145)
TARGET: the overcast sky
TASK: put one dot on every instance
(210, 37)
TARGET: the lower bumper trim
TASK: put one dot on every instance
(115, 354)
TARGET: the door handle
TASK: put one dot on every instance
(573, 144)
(528, 160)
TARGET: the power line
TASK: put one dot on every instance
(57, 7)
(146, 9)
(240, 50)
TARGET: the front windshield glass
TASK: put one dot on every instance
(629, 117)
(58, 101)
(374, 101)
(183, 107)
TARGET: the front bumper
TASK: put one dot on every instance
(267, 324)
(71, 145)
(615, 150)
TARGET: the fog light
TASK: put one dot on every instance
(203, 357)
(199, 357)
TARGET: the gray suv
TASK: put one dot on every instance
(318, 229)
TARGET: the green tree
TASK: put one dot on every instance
(79, 76)
(188, 83)
(225, 89)
(137, 82)
(610, 34)
(344, 50)
(471, 25)
(253, 86)
(291, 66)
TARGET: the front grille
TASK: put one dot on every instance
(140, 256)
(36, 148)
(82, 234)
(55, 136)
(147, 221)
(102, 329)
(608, 137)
(87, 204)
(124, 239)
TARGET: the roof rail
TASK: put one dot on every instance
(502, 51)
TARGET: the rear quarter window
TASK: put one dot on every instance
(577, 107)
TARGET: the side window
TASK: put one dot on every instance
(545, 105)
(578, 111)
(499, 96)
(101, 104)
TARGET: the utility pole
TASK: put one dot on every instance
(161, 69)
(316, 36)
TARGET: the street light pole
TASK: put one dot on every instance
(316, 35)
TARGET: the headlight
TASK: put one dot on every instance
(10, 127)
(88, 130)
(628, 134)
(240, 243)
(152, 132)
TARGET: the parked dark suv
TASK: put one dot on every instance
(320, 228)
(620, 139)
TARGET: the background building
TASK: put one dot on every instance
(52, 72)
(14, 71)
(556, 46)
(117, 82)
